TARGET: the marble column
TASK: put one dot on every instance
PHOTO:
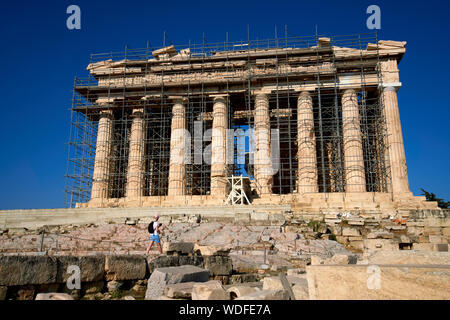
(353, 151)
(262, 161)
(306, 141)
(218, 147)
(135, 172)
(396, 150)
(102, 162)
(177, 164)
(397, 159)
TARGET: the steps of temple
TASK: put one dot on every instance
(35, 218)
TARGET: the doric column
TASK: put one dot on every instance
(353, 150)
(135, 173)
(100, 177)
(306, 140)
(218, 147)
(397, 159)
(262, 161)
(177, 164)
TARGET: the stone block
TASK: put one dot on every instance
(301, 291)
(437, 239)
(350, 232)
(179, 247)
(274, 283)
(379, 235)
(163, 261)
(380, 244)
(92, 267)
(357, 245)
(182, 290)
(161, 277)
(16, 270)
(53, 296)
(212, 250)
(378, 282)
(266, 295)
(408, 257)
(211, 290)
(259, 217)
(241, 217)
(423, 247)
(446, 232)
(342, 259)
(125, 267)
(218, 265)
(434, 231)
(315, 260)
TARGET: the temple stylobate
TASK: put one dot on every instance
(311, 122)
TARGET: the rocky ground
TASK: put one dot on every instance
(251, 246)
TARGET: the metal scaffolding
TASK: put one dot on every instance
(132, 82)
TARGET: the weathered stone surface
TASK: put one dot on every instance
(301, 291)
(408, 257)
(92, 267)
(274, 283)
(212, 250)
(350, 232)
(266, 295)
(237, 291)
(114, 285)
(296, 271)
(54, 296)
(125, 267)
(211, 290)
(31, 269)
(342, 259)
(218, 265)
(161, 277)
(315, 260)
(380, 244)
(3, 291)
(362, 282)
(93, 287)
(180, 247)
(242, 278)
(182, 290)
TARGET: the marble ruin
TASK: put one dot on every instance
(331, 101)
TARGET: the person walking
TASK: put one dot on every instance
(153, 229)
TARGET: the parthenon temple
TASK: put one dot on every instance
(312, 122)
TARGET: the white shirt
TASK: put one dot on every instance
(155, 225)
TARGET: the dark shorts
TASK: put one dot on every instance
(155, 238)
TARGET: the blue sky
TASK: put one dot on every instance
(40, 57)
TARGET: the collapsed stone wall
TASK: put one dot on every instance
(23, 276)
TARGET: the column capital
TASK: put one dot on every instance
(178, 99)
(304, 94)
(137, 112)
(108, 113)
(261, 91)
(392, 86)
(219, 97)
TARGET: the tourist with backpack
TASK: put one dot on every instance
(153, 229)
